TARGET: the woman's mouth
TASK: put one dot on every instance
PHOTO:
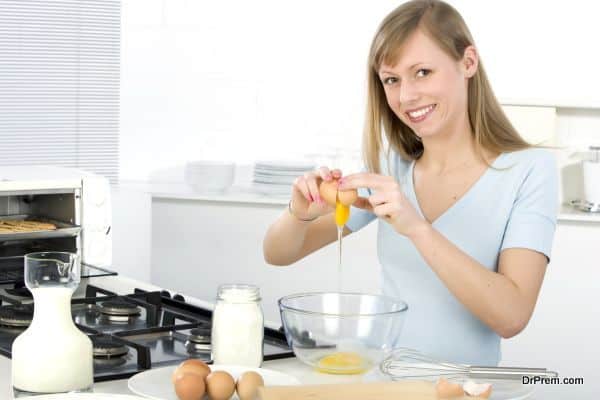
(419, 114)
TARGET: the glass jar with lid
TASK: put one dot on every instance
(238, 326)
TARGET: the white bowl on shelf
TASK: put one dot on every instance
(209, 176)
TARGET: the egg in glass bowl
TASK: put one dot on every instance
(342, 333)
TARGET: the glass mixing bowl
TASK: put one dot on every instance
(342, 333)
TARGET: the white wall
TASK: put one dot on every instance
(261, 79)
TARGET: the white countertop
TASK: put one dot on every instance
(248, 195)
(291, 366)
(183, 191)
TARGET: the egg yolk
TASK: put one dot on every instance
(342, 214)
(343, 363)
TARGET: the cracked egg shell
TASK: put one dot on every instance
(328, 191)
(347, 197)
(447, 390)
(483, 390)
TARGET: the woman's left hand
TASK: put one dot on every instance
(387, 202)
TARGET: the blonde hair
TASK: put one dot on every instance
(491, 128)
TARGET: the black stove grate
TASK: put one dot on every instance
(165, 332)
(16, 315)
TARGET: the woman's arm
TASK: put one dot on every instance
(306, 226)
(503, 300)
(289, 239)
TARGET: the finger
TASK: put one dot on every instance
(324, 173)
(337, 173)
(300, 184)
(365, 180)
(378, 198)
(385, 211)
(363, 203)
(313, 189)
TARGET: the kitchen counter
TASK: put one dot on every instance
(291, 366)
(248, 195)
(121, 284)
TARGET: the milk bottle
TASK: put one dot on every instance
(51, 355)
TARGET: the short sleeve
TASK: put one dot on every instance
(532, 220)
(395, 166)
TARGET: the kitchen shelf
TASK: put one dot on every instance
(182, 191)
(562, 104)
(567, 213)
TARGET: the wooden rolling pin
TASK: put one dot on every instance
(413, 390)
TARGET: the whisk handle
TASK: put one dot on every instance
(508, 372)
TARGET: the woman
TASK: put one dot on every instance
(467, 208)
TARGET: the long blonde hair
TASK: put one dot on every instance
(491, 128)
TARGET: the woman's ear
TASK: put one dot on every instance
(470, 61)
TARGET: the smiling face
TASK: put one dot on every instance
(427, 89)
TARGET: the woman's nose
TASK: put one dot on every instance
(408, 93)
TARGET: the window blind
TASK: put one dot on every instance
(59, 84)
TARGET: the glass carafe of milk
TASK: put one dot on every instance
(52, 355)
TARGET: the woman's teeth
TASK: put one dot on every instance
(420, 114)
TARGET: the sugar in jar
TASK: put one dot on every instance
(238, 326)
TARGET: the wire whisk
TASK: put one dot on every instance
(404, 363)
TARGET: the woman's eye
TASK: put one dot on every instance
(389, 80)
(423, 72)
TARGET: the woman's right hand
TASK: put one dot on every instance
(306, 200)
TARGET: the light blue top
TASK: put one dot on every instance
(513, 204)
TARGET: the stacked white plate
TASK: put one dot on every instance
(277, 177)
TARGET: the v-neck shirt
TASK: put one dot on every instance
(410, 177)
(513, 204)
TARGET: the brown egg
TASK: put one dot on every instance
(192, 366)
(347, 197)
(220, 385)
(447, 390)
(328, 191)
(247, 385)
(189, 386)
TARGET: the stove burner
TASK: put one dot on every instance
(198, 340)
(119, 310)
(20, 292)
(108, 363)
(16, 316)
(107, 348)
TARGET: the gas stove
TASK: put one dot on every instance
(133, 332)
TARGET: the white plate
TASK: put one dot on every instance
(284, 165)
(85, 396)
(156, 383)
(273, 181)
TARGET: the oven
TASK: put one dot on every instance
(53, 209)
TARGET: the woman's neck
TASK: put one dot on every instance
(445, 152)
